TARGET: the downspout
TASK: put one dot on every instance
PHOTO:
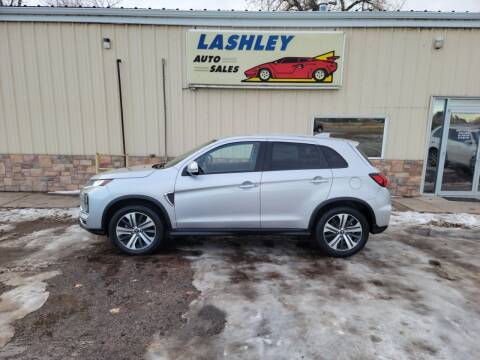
(164, 88)
(122, 122)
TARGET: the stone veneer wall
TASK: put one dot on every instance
(405, 176)
(71, 172)
(56, 172)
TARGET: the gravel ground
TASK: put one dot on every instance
(411, 293)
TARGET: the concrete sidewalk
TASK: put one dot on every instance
(433, 204)
(37, 200)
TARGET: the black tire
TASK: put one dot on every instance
(471, 168)
(343, 250)
(432, 157)
(319, 75)
(264, 71)
(158, 237)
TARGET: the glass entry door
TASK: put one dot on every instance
(458, 172)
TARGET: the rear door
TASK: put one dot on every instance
(295, 180)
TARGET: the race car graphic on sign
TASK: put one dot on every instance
(295, 69)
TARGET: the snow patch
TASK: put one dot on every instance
(33, 253)
(65, 192)
(28, 296)
(32, 214)
(283, 302)
(6, 227)
(46, 246)
(416, 218)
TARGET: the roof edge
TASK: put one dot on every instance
(283, 19)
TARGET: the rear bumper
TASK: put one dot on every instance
(378, 229)
(382, 208)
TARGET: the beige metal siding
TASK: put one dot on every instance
(59, 95)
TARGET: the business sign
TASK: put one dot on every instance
(234, 58)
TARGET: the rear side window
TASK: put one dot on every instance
(296, 156)
(364, 156)
(334, 159)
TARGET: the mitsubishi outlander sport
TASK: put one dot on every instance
(320, 187)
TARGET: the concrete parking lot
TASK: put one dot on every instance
(411, 293)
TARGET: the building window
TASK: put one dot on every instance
(369, 132)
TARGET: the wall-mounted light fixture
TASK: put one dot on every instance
(438, 42)
(107, 44)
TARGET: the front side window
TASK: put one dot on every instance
(230, 158)
(296, 156)
(369, 132)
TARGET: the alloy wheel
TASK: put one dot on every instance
(320, 74)
(432, 157)
(342, 232)
(264, 74)
(136, 230)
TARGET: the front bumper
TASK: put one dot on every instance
(83, 225)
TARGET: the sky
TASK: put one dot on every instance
(433, 5)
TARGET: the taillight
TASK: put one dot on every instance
(380, 179)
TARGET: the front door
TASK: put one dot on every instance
(458, 172)
(226, 192)
(286, 66)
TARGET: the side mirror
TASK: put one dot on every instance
(192, 168)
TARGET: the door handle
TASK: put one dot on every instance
(319, 180)
(247, 185)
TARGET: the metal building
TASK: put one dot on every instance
(71, 78)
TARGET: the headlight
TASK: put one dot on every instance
(84, 204)
(99, 182)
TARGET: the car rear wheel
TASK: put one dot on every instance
(136, 230)
(432, 157)
(264, 74)
(342, 232)
(320, 75)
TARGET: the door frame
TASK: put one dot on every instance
(443, 152)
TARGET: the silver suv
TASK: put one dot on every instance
(244, 185)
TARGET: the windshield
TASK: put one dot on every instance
(182, 157)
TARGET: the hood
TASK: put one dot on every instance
(126, 173)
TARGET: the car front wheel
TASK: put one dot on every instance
(342, 232)
(264, 74)
(136, 230)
